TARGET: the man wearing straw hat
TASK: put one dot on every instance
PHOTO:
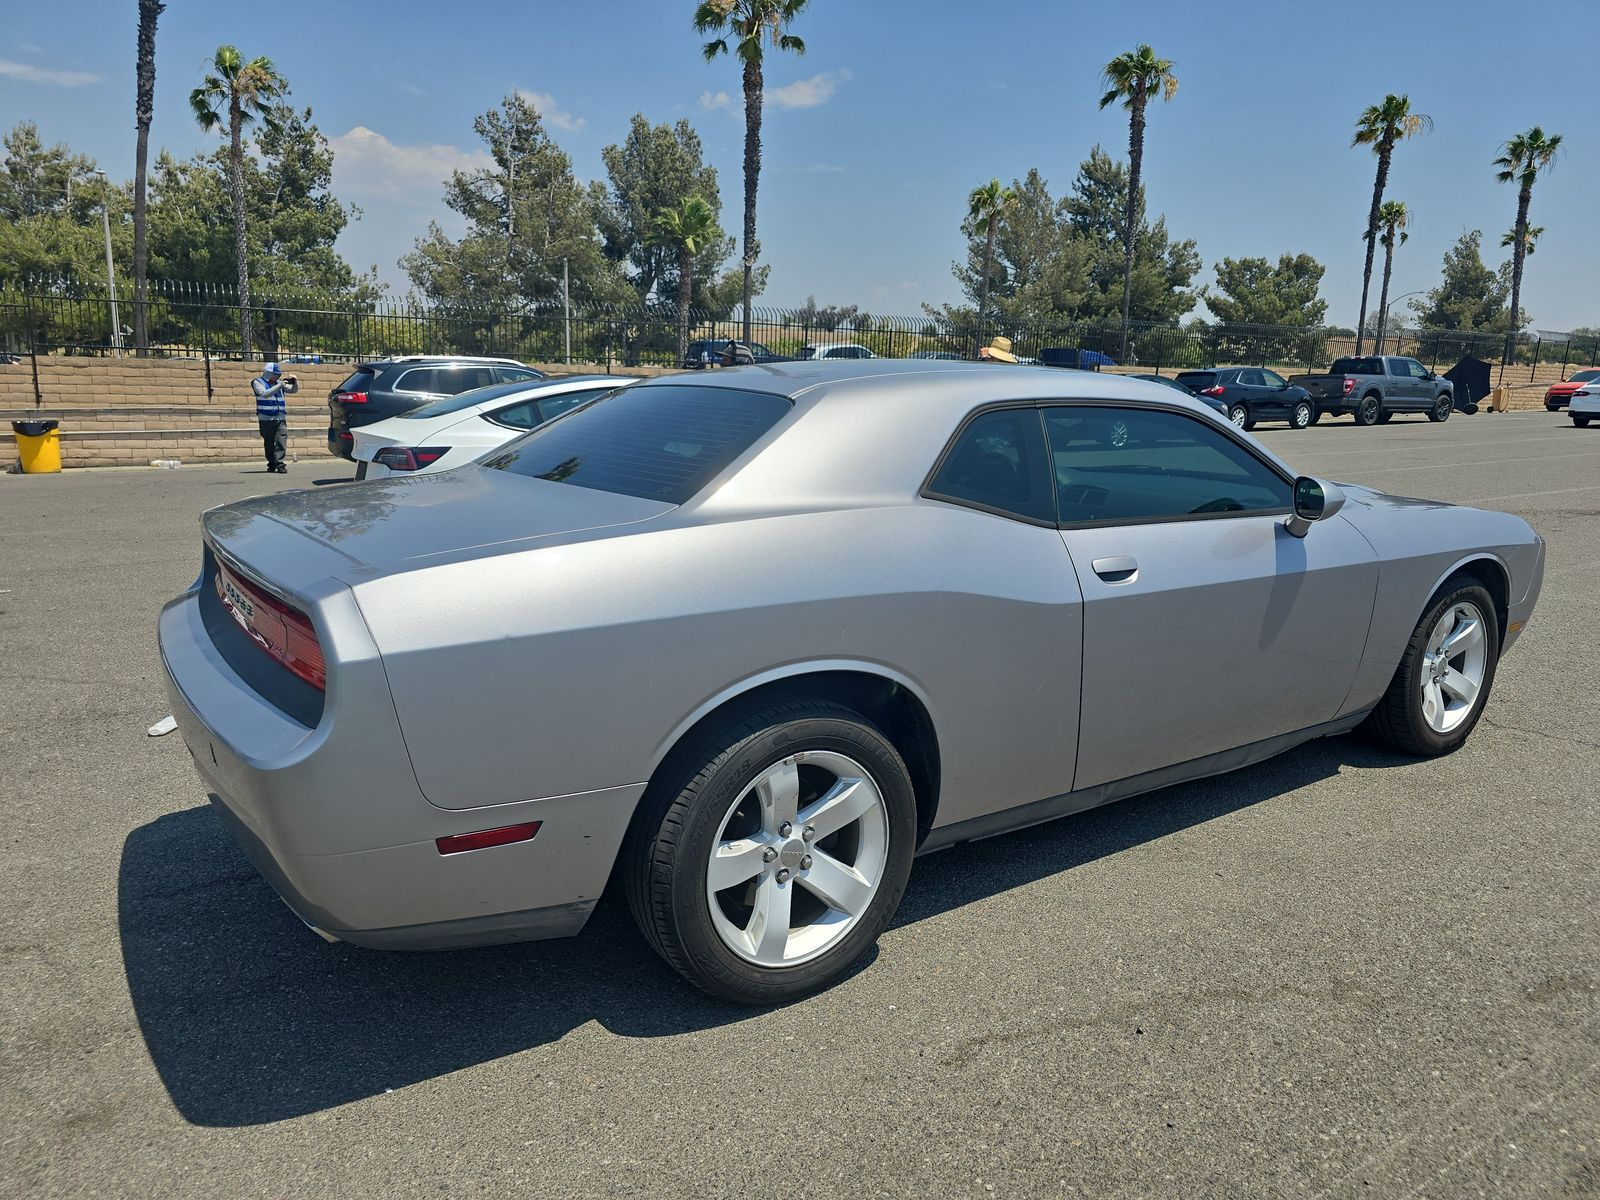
(998, 350)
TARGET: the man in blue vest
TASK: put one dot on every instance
(272, 413)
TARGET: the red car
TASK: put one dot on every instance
(1558, 395)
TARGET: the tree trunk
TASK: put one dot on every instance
(1383, 294)
(988, 266)
(685, 293)
(1519, 256)
(1135, 167)
(1378, 184)
(752, 176)
(143, 114)
(240, 246)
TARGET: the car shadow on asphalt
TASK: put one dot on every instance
(250, 1018)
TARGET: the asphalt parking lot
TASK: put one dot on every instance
(1337, 973)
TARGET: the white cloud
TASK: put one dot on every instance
(826, 169)
(711, 101)
(30, 48)
(405, 85)
(31, 74)
(808, 93)
(551, 112)
(367, 163)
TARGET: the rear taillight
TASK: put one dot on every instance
(1349, 386)
(280, 629)
(401, 458)
(1215, 389)
(350, 397)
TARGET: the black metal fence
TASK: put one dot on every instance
(194, 320)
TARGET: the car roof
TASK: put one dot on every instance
(533, 387)
(874, 427)
(439, 360)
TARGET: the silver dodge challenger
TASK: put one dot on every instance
(746, 644)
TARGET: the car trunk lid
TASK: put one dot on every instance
(399, 524)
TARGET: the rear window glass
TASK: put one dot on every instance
(1357, 366)
(1584, 376)
(657, 443)
(359, 381)
(1197, 379)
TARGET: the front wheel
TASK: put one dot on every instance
(1369, 411)
(1441, 409)
(769, 864)
(1303, 415)
(1439, 690)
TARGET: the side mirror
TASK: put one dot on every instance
(1314, 501)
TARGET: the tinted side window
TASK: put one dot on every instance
(998, 461)
(1416, 369)
(1273, 379)
(1134, 465)
(452, 381)
(552, 407)
(519, 416)
(1250, 377)
(419, 379)
(659, 443)
(516, 374)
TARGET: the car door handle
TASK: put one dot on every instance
(1120, 569)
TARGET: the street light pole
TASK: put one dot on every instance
(1383, 317)
(111, 275)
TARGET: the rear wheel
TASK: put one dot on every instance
(770, 863)
(1439, 690)
(1303, 415)
(1369, 411)
(1240, 416)
(1580, 422)
(1441, 409)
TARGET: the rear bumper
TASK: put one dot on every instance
(333, 818)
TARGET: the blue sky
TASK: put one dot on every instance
(874, 137)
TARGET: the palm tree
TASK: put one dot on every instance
(1530, 239)
(1521, 159)
(235, 94)
(985, 206)
(1134, 78)
(1381, 126)
(144, 109)
(753, 26)
(686, 231)
(1392, 220)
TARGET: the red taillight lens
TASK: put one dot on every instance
(1349, 386)
(350, 397)
(1214, 390)
(399, 458)
(282, 630)
(484, 838)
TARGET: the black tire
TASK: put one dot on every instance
(1398, 720)
(1369, 411)
(1581, 422)
(1316, 414)
(664, 856)
(1441, 409)
(1303, 415)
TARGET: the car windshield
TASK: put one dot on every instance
(658, 443)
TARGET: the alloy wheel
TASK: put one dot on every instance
(1238, 415)
(1453, 665)
(798, 859)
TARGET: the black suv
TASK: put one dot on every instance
(713, 352)
(390, 386)
(1251, 394)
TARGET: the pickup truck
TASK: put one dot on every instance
(1374, 389)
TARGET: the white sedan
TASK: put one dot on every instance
(1585, 404)
(456, 430)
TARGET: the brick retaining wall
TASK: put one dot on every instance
(117, 412)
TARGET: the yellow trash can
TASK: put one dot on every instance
(38, 445)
